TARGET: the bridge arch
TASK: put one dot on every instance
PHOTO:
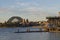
(15, 17)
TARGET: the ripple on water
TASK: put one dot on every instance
(8, 34)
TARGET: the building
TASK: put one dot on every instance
(54, 20)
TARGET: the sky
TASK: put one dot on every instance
(34, 10)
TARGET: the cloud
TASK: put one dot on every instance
(26, 4)
(33, 9)
(21, 4)
(3, 10)
(32, 13)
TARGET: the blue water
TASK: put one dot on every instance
(8, 34)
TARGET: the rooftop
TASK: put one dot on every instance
(53, 17)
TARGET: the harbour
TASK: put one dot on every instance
(8, 34)
(29, 19)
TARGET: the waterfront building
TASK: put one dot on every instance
(54, 20)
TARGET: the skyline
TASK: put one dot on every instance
(34, 10)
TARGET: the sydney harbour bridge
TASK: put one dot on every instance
(15, 19)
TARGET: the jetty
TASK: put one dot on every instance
(28, 30)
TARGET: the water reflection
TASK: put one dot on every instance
(8, 34)
(54, 35)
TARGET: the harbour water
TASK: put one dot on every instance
(8, 34)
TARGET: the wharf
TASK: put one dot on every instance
(30, 31)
